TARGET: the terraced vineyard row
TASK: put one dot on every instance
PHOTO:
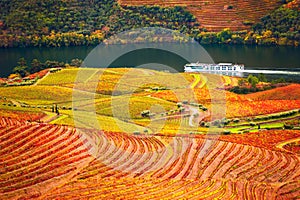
(139, 168)
(6, 122)
(38, 157)
(59, 162)
(9, 118)
(217, 15)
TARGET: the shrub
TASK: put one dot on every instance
(220, 126)
(225, 121)
(145, 113)
(216, 122)
(155, 88)
(194, 104)
(226, 132)
(236, 120)
(185, 102)
(196, 115)
(257, 118)
(202, 124)
(204, 108)
(207, 125)
(181, 110)
(136, 133)
(248, 23)
(288, 126)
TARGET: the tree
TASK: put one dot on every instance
(22, 62)
(56, 110)
(224, 35)
(22, 68)
(262, 78)
(36, 66)
(257, 27)
(76, 62)
(51, 64)
(253, 80)
(241, 82)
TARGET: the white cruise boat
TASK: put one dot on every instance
(221, 68)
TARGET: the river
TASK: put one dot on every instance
(253, 57)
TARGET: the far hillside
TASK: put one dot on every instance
(25, 23)
(217, 15)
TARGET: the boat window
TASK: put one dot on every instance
(217, 68)
(229, 68)
(223, 68)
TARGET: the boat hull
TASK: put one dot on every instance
(222, 68)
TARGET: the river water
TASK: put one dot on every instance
(253, 57)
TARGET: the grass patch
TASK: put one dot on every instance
(127, 107)
(44, 95)
(89, 120)
(68, 76)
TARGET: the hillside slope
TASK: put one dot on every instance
(76, 22)
(25, 23)
(290, 92)
(216, 15)
(42, 161)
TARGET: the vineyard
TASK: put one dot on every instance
(278, 93)
(134, 135)
(217, 15)
(58, 162)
